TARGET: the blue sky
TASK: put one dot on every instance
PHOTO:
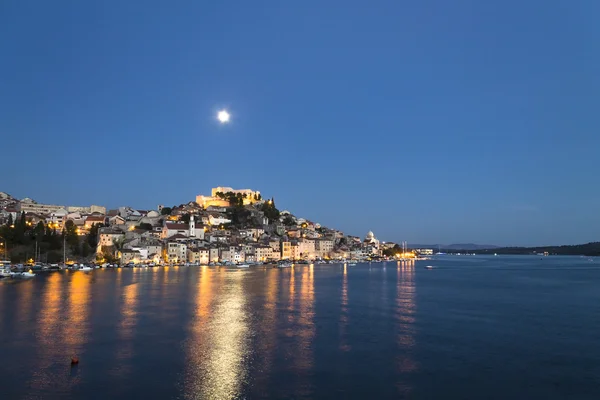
(432, 121)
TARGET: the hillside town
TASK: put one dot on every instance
(229, 226)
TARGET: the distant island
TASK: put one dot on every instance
(587, 249)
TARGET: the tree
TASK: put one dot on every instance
(39, 231)
(92, 238)
(118, 244)
(108, 253)
(289, 221)
(85, 249)
(72, 238)
(271, 212)
(10, 219)
(389, 252)
(145, 226)
(166, 211)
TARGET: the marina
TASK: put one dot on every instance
(228, 332)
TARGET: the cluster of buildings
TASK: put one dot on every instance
(203, 232)
(56, 216)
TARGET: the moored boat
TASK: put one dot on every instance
(5, 272)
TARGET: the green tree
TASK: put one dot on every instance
(39, 231)
(270, 211)
(118, 244)
(72, 238)
(145, 226)
(92, 237)
(85, 249)
(289, 221)
(166, 211)
(108, 253)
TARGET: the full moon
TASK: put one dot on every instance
(223, 116)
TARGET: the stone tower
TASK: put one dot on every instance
(192, 227)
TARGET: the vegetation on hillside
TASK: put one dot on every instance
(20, 239)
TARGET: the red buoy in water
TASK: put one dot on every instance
(74, 360)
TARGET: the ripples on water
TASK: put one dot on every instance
(509, 327)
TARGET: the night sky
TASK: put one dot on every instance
(428, 121)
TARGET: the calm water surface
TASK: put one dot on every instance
(471, 328)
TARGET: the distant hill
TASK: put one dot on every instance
(587, 249)
(470, 246)
(458, 246)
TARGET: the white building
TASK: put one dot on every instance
(174, 228)
(217, 219)
(176, 252)
(177, 228)
(199, 256)
(306, 248)
(107, 237)
(323, 247)
(58, 218)
(263, 253)
(29, 206)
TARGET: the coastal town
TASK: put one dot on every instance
(226, 227)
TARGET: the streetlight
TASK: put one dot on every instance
(5, 247)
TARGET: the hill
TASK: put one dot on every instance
(587, 249)
(460, 246)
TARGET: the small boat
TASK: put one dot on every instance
(352, 265)
(243, 266)
(429, 267)
(5, 272)
(85, 268)
(22, 275)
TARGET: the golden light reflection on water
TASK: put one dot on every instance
(49, 314)
(128, 309)
(25, 303)
(291, 299)
(304, 327)
(76, 325)
(344, 346)
(307, 299)
(217, 367)
(196, 346)
(48, 335)
(405, 320)
(269, 331)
